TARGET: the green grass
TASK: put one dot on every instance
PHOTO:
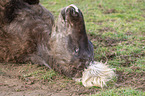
(1, 72)
(118, 31)
(120, 92)
(41, 74)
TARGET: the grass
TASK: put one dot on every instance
(42, 74)
(117, 30)
(39, 73)
(120, 92)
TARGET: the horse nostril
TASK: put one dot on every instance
(74, 13)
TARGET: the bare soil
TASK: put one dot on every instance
(13, 82)
(135, 80)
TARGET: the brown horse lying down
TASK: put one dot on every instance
(28, 34)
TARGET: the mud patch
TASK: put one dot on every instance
(135, 80)
(129, 61)
(106, 42)
(106, 29)
(14, 82)
(106, 11)
(109, 11)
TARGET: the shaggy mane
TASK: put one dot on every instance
(13, 6)
(11, 9)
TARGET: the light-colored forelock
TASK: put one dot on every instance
(97, 74)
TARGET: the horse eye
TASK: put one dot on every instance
(77, 50)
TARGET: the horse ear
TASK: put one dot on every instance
(31, 2)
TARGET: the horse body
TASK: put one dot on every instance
(28, 34)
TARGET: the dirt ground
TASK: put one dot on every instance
(14, 83)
